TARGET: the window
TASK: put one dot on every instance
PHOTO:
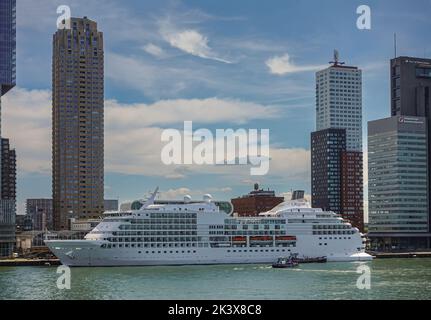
(423, 72)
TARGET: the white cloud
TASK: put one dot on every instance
(26, 121)
(154, 50)
(281, 65)
(132, 142)
(211, 110)
(191, 42)
(174, 194)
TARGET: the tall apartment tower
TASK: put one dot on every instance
(7, 82)
(400, 161)
(78, 123)
(327, 147)
(339, 101)
(338, 109)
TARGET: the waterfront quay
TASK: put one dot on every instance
(29, 262)
(399, 255)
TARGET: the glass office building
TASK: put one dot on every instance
(7, 82)
(398, 186)
(7, 45)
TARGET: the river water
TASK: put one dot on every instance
(389, 279)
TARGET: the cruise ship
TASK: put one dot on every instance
(201, 233)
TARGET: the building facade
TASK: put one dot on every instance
(257, 201)
(41, 213)
(78, 123)
(398, 183)
(336, 146)
(339, 102)
(111, 205)
(411, 95)
(8, 171)
(7, 82)
(7, 45)
(327, 147)
(298, 195)
(352, 188)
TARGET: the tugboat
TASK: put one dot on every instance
(285, 263)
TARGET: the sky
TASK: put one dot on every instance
(221, 64)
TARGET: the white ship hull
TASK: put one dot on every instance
(87, 253)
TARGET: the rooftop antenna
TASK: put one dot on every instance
(395, 44)
(336, 61)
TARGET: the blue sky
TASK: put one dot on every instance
(206, 61)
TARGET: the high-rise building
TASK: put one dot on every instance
(257, 201)
(400, 167)
(8, 171)
(398, 183)
(298, 195)
(336, 146)
(411, 87)
(78, 123)
(327, 147)
(111, 205)
(40, 211)
(352, 188)
(339, 101)
(7, 82)
(7, 45)
(411, 95)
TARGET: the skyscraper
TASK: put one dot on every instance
(7, 45)
(327, 147)
(7, 82)
(411, 95)
(397, 182)
(400, 171)
(78, 122)
(336, 146)
(8, 171)
(339, 101)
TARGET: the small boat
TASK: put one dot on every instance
(294, 257)
(285, 263)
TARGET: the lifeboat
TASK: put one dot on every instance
(239, 239)
(285, 238)
(261, 239)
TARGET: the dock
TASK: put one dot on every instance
(400, 255)
(29, 262)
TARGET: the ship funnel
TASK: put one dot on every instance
(187, 199)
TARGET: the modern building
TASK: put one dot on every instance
(339, 101)
(7, 82)
(398, 183)
(8, 171)
(257, 201)
(327, 147)
(7, 45)
(41, 213)
(298, 194)
(411, 95)
(336, 146)
(111, 205)
(78, 123)
(352, 188)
